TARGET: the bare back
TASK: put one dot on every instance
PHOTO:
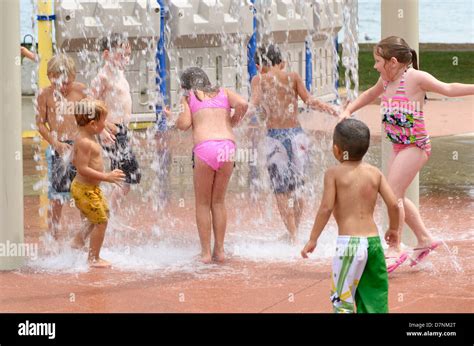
(357, 187)
(211, 123)
(279, 98)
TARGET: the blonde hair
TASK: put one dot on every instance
(87, 110)
(61, 64)
(396, 47)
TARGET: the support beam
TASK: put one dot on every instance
(11, 156)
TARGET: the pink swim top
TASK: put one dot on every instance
(218, 101)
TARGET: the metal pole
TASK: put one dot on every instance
(161, 69)
(400, 18)
(11, 156)
(45, 51)
(308, 64)
(252, 47)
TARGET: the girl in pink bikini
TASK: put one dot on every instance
(403, 88)
(207, 110)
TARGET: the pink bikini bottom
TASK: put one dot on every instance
(215, 152)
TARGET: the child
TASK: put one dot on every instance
(403, 90)
(350, 190)
(56, 124)
(112, 87)
(276, 92)
(91, 116)
(207, 110)
(25, 52)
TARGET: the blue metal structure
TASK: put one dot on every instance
(308, 65)
(161, 69)
(252, 47)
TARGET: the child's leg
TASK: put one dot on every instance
(54, 217)
(299, 207)
(403, 170)
(219, 213)
(414, 221)
(347, 268)
(203, 180)
(287, 211)
(371, 295)
(79, 240)
(117, 196)
(97, 239)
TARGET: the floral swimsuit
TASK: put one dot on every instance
(404, 124)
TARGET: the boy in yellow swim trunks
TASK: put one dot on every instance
(90, 117)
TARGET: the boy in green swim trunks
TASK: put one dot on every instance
(359, 273)
(90, 117)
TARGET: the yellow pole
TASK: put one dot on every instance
(45, 51)
(45, 41)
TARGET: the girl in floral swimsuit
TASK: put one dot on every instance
(403, 88)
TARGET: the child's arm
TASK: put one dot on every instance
(27, 53)
(363, 100)
(255, 91)
(324, 213)
(42, 120)
(98, 88)
(254, 106)
(82, 155)
(429, 83)
(184, 121)
(391, 236)
(311, 101)
(239, 104)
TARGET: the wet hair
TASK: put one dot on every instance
(269, 56)
(194, 78)
(61, 65)
(87, 110)
(115, 40)
(396, 47)
(352, 136)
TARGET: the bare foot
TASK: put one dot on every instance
(99, 263)
(288, 238)
(78, 243)
(218, 256)
(206, 258)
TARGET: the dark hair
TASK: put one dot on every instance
(353, 137)
(270, 56)
(194, 78)
(396, 47)
(113, 41)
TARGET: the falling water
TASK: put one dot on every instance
(161, 234)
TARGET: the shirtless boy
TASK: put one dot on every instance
(276, 92)
(359, 273)
(56, 124)
(91, 116)
(112, 87)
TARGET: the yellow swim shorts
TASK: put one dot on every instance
(90, 201)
